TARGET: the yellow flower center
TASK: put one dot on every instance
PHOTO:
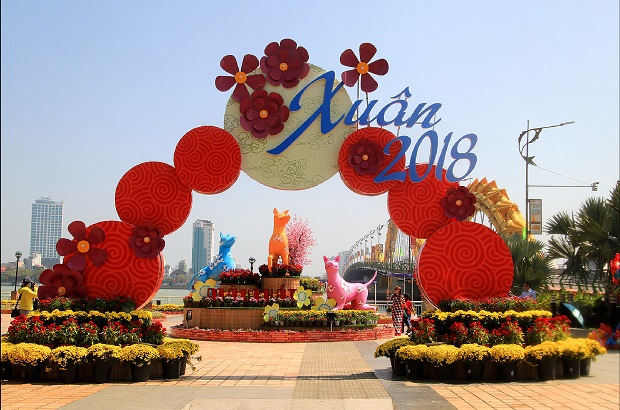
(241, 77)
(263, 113)
(83, 246)
(362, 68)
(283, 66)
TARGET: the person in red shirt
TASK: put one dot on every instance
(407, 311)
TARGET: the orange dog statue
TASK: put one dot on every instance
(278, 244)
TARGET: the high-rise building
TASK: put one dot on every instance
(203, 244)
(46, 224)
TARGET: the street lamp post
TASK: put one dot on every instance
(529, 160)
(252, 260)
(18, 255)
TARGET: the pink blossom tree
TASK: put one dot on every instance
(300, 241)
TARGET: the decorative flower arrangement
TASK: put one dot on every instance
(187, 347)
(271, 312)
(59, 281)
(321, 304)
(285, 63)
(88, 334)
(412, 352)
(542, 330)
(303, 297)
(458, 334)
(82, 246)
(263, 114)
(507, 353)
(442, 354)
(366, 157)
(571, 349)
(509, 332)
(101, 353)
(363, 67)
(491, 304)
(203, 289)
(560, 327)
(389, 348)
(68, 332)
(240, 276)
(28, 354)
(423, 331)
(139, 354)
(241, 77)
(147, 241)
(471, 352)
(477, 334)
(544, 350)
(312, 284)
(84, 304)
(64, 356)
(459, 203)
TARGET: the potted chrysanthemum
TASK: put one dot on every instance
(30, 357)
(442, 357)
(68, 358)
(171, 356)
(389, 348)
(414, 357)
(571, 354)
(5, 365)
(544, 355)
(508, 356)
(103, 357)
(594, 349)
(188, 348)
(139, 356)
(474, 356)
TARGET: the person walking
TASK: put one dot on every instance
(407, 310)
(27, 294)
(397, 310)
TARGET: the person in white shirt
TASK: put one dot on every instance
(528, 292)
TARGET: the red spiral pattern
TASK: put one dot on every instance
(151, 194)
(123, 273)
(364, 184)
(416, 207)
(208, 160)
(464, 260)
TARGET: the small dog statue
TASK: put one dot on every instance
(222, 262)
(344, 292)
(278, 244)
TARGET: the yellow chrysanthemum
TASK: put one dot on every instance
(321, 304)
(271, 312)
(202, 289)
(302, 296)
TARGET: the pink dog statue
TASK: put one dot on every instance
(344, 292)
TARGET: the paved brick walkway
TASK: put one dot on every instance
(339, 375)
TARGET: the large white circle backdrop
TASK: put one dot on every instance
(309, 161)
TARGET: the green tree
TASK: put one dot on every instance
(588, 241)
(531, 264)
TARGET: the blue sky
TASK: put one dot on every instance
(91, 89)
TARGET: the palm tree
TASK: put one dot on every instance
(588, 241)
(530, 263)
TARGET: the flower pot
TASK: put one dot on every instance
(101, 372)
(31, 374)
(183, 367)
(6, 370)
(508, 372)
(69, 375)
(584, 367)
(546, 369)
(399, 368)
(571, 368)
(474, 370)
(140, 373)
(171, 368)
(443, 373)
(415, 369)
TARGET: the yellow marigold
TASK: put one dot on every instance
(28, 354)
(594, 348)
(507, 353)
(104, 353)
(544, 350)
(442, 354)
(412, 352)
(389, 348)
(63, 356)
(473, 352)
(5, 348)
(139, 354)
(572, 349)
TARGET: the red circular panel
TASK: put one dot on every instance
(208, 160)
(151, 194)
(364, 184)
(415, 207)
(464, 260)
(123, 273)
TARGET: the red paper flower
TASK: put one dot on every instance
(363, 67)
(458, 203)
(146, 241)
(366, 157)
(285, 63)
(82, 246)
(263, 114)
(60, 281)
(240, 77)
